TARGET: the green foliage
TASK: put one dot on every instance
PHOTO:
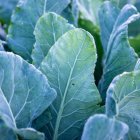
(118, 54)
(75, 95)
(75, 73)
(101, 122)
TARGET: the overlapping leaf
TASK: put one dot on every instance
(119, 56)
(68, 65)
(47, 31)
(99, 127)
(25, 93)
(20, 34)
(8, 128)
(123, 98)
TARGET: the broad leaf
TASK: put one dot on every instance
(6, 8)
(123, 99)
(68, 65)
(134, 29)
(47, 31)
(8, 124)
(26, 90)
(119, 56)
(99, 127)
(107, 22)
(20, 35)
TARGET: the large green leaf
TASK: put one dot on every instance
(26, 89)
(107, 22)
(8, 129)
(20, 35)
(47, 31)
(123, 99)
(99, 127)
(6, 8)
(68, 65)
(118, 55)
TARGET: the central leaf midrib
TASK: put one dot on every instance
(45, 5)
(65, 93)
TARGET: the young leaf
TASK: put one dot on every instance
(8, 124)
(119, 56)
(47, 31)
(68, 65)
(26, 92)
(99, 127)
(123, 98)
(20, 35)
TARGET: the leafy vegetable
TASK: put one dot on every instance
(77, 98)
(20, 34)
(53, 36)
(99, 127)
(22, 98)
(48, 29)
(123, 101)
(118, 55)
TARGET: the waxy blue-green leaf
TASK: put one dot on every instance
(20, 35)
(134, 29)
(8, 128)
(107, 21)
(26, 90)
(47, 31)
(99, 127)
(68, 65)
(6, 8)
(123, 99)
(118, 55)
